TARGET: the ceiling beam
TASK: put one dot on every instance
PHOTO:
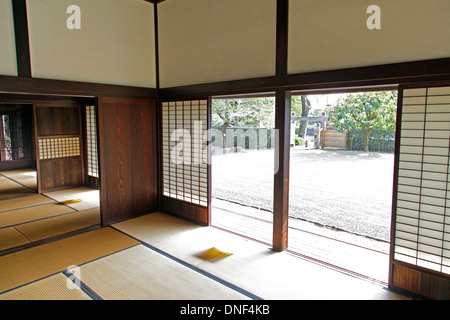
(25, 85)
(380, 75)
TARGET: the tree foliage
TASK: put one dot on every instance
(249, 112)
(297, 106)
(365, 111)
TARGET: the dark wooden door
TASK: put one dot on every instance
(59, 147)
(128, 158)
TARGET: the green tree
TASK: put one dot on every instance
(365, 111)
(249, 112)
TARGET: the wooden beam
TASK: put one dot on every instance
(282, 37)
(370, 76)
(21, 36)
(156, 46)
(25, 85)
(11, 98)
(281, 177)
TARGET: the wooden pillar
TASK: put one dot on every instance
(22, 39)
(282, 144)
(281, 177)
(282, 37)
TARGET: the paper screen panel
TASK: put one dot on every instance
(91, 142)
(184, 165)
(422, 228)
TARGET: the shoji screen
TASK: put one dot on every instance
(422, 217)
(91, 142)
(184, 143)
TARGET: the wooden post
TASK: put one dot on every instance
(281, 177)
(22, 38)
(282, 37)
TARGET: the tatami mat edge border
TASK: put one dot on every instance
(39, 219)
(50, 239)
(192, 267)
(85, 288)
(64, 270)
(26, 207)
(34, 190)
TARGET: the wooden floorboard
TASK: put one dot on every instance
(354, 259)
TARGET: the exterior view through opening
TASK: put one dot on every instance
(340, 183)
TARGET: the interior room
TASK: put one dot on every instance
(108, 141)
(49, 177)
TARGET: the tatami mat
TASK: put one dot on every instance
(10, 188)
(23, 202)
(140, 273)
(50, 227)
(51, 288)
(170, 263)
(10, 237)
(14, 217)
(35, 216)
(252, 266)
(26, 177)
(89, 197)
(32, 264)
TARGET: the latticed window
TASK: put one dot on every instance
(91, 142)
(184, 143)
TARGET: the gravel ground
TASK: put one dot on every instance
(345, 190)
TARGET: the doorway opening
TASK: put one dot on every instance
(17, 163)
(341, 179)
(243, 164)
(48, 172)
(341, 176)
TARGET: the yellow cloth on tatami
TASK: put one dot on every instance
(213, 253)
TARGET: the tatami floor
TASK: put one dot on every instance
(27, 217)
(156, 256)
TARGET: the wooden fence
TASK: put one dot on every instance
(334, 139)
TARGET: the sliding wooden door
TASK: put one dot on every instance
(58, 137)
(128, 158)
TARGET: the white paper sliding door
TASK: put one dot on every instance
(184, 151)
(91, 142)
(422, 208)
